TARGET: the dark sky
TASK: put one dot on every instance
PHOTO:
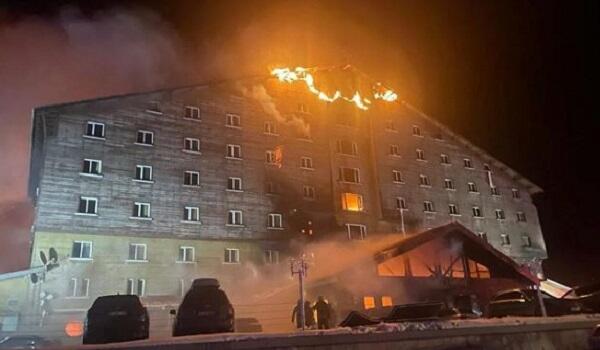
(517, 78)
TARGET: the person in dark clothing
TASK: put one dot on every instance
(309, 318)
(323, 313)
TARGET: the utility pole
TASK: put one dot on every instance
(299, 267)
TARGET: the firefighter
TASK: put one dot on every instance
(323, 313)
(309, 318)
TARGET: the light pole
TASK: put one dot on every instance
(299, 267)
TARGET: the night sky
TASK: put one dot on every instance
(517, 78)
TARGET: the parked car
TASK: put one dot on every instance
(25, 342)
(204, 309)
(587, 296)
(595, 339)
(116, 318)
(524, 302)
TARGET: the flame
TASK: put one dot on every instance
(289, 76)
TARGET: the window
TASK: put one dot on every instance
(401, 203)
(346, 119)
(386, 301)
(448, 184)
(192, 112)
(232, 256)
(137, 252)
(500, 214)
(453, 209)
(526, 240)
(191, 144)
(191, 214)
(477, 212)
(271, 187)
(88, 205)
(270, 157)
(444, 159)
(356, 232)
(274, 221)
(234, 151)
(494, 191)
(92, 167)
(141, 210)
(416, 130)
(428, 207)
(234, 184)
(95, 129)
(154, 107)
(352, 202)
(306, 163)
(424, 180)
(143, 173)
(136, 287)
(233, 120)
(394, 151)
(302, 108)
(191, 178)
(472, 187)
(389, 125)
(81, 250)
(234, 218)
(145, 137)
(516, 194)
(420, 154)
(308, 192)
(349, 175)
(467, 163)
(521, 216)
(369, 303)
(271, 256)
(79, 288)
(505, 239)
(347, 147)
(483, 236)
(186, 254)
(397, 176)
(270, 128)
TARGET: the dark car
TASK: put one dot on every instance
(204, 309)
(116, 318)
(595, 339)
(524, 302)
(25, 342)
(587, 296)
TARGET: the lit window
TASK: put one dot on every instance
(500, 214)
(143, 173)
(444, 159)
(95, 129)
(472, 187)
(234, 217)
(521, 216)
(347, 147)
(356, 232)
(136, 287)
(271, 256)
(92, 166)
(270, 157)
(234, 151)
(494, 191)
(270, 128)
(145, 137)
(352, 202)
(306, 163)
(186, 254)
(88, 205)
(424, 180)
(191, 144)
(394, 150)
(526, 240)
(386, 301)
(467, 163)
(505, 239)
(420, 154)
(232, 256)
(137, 252)
(428, 207)
(448, 184)
(141, 210)
(192, 112)
(81, 250)
(191, 178)
(369, 302)
(349, 175)
(477, 212)
(274, 221)
(397, 176)
(416, 130)
(516, 194)
(400, 203)
(79, 287)
(308, 192)
(453, 209)
(233, 120)
(191, 214)
(234, 184)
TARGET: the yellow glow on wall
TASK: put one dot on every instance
(352, 202)
(369, 302)
(386, 301)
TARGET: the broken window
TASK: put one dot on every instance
(349, 175)
(352, 202)
(356, 232)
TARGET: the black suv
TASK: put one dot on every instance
(204, 309)
(116, 318)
